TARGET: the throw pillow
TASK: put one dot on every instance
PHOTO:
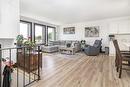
(73, 44)
(68, 45)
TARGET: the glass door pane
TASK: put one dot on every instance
(25, 30)
(51, 33)
(40, 33)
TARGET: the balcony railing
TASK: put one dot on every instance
(25, 64)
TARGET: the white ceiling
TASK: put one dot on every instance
(72, 11)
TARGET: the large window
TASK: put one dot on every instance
(40, 33)
(51, 33)
(25, 29)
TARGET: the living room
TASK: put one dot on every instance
(77, 43)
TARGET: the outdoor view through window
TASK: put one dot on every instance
(51, 34)
(25, 30)
(39, 33)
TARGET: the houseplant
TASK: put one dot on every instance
(19, 40)
(29, 43)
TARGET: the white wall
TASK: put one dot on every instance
(9, 18)
(107, 26)
(0, 14)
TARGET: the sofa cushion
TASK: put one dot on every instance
(73, 44)
(56, 42)
(62, 43)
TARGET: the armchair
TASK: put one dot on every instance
(93, 50)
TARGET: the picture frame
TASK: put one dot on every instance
(92, 31)
(69, 30)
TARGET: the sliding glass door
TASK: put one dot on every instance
(39, 33)
(51, 33)
(26, 29)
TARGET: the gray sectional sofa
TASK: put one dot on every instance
(53, 46)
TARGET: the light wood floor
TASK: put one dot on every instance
(82, 71)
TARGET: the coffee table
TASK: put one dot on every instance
(50, 49)
(66, 50)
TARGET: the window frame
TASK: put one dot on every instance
(42, 32)
(30, 23)
(54, 32)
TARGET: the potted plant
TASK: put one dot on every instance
(19, 40)
(29, 43)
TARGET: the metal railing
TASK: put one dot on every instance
(26, 63)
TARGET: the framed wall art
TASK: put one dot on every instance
(69, 30)
(92, 31)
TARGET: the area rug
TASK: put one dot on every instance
(67, 56)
